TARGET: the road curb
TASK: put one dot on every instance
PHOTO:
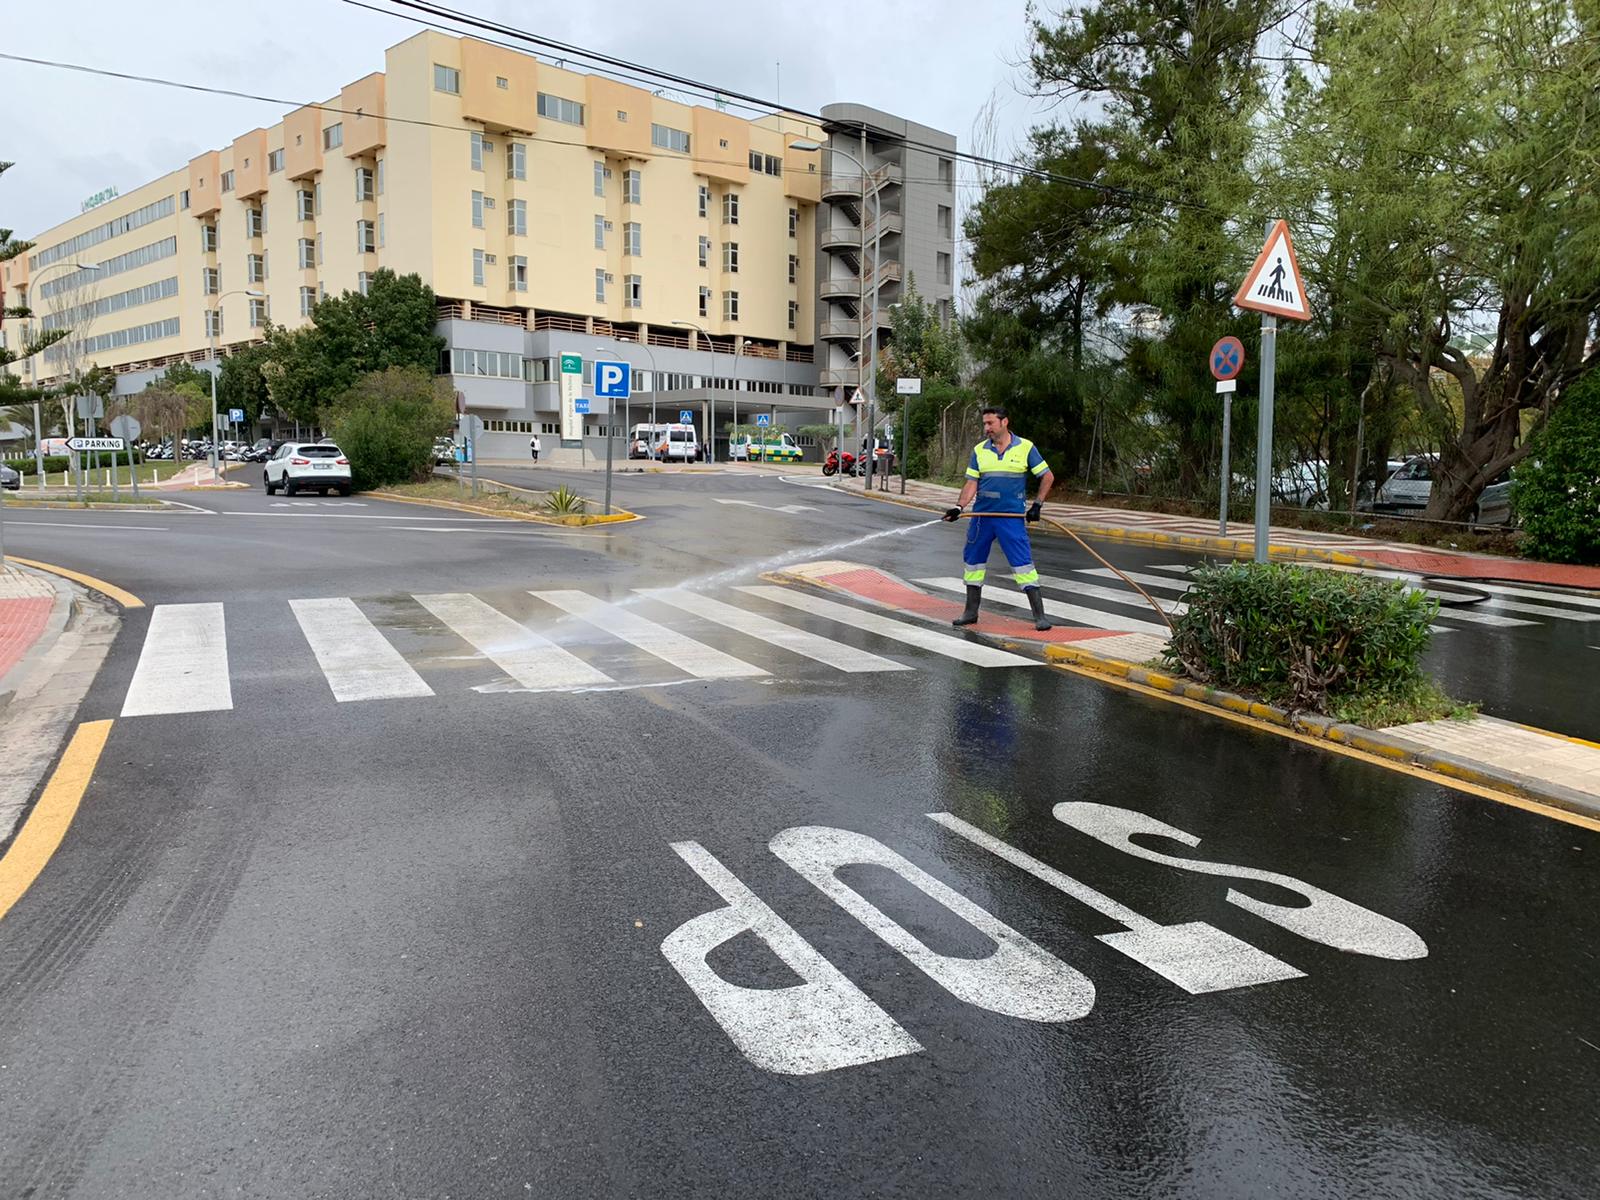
(25, 505)
(110, 590)
(616, 518)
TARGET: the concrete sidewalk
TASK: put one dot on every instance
(1195, 533)
(1512, 759)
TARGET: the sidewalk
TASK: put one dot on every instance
(1511, 759)
(1196, 533)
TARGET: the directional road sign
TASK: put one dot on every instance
(1227, 358)
(685, 417)
(763, 419)
(581, 405)
(125, 427)
(94, 443)
(613, 380)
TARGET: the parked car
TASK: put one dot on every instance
(10, 479)
(444, 451)
(1408, 490)
(307, 466)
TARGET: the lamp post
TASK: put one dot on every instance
(711, 418)
(216, 367)
(872, 333)
(38, 428)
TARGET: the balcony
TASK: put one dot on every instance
(842, 236)
(847, 288)
(839, 331)
(892, 223)
(839, 377)
(887, 273)
(841, 187)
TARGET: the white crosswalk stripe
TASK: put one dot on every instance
(776, 633)
(357, 661)
(183, 665)
(534, 662)
(689, 656)
(1094, 618)
(912, 635)
(1121, 594)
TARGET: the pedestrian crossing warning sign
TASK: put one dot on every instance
(1274, 285)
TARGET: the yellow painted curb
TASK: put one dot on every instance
(614, 518)
(124, 598)
(47, 824)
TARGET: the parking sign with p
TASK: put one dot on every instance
(613, 380)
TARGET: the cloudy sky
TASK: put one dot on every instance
(71, 135)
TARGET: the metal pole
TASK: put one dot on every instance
(38, 445)
(905, 439)
(472, 455)
(212, 340)
(1269, 359)
(872, 336)
(611, 430)
(1227, 430)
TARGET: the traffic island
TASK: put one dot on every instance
(496, 499)
(1498, 759)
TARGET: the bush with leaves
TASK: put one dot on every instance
(1556, 489)
(1304, 638)
(386, 425)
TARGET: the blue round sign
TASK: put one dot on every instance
(1227, 358)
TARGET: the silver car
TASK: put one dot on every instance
(1408, 489)
(9, 479)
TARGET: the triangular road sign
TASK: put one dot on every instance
(1274, 285)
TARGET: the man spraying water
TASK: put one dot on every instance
(997, 476)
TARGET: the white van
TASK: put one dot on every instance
(676, 443)
(642, 440)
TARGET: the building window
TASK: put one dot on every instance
(364, 188)
(208, 239)
(260, 313)
(501, 82)
(316, 192)
(622, 116)
(446, 79)
(477, 210)
(600, 285)
(380, 231)
(274, 161)
(794, 269)
(664, 137)
(730, 257)
(319, 249)
(213, 322)
(942, 260)
(631, 239)
(730, 306)
(308, 254)
(517, 217)
(755, 160)
(183, 198)
(705, 200)
(794, 313)
(730, 208)
(599, 232)
(559, 108)
(773, 165)
(252, 223)
(946, 221)
(599, 177)
(947, 172)
(705, 252)
(255, 268)
(477, 151)
(477, 268)
(794, 222)
(705, 302)
(306, 202)
(516, 160)
(363, 281)
(308, 300)
(227, 181)
(333, 136)
(211, 281)
(366, 237)
(517, 273)
(632, 291)
(380, 177)
(631, 181)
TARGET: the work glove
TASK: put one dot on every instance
(1034, 510)
(952, 514)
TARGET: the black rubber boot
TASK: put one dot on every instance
(969, 615)
(1036, 602)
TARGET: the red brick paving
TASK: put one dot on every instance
(1476, 566)
(21, 623)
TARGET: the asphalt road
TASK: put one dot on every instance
(949, 929)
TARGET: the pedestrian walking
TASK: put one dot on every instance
(997, 479)
(533, 447)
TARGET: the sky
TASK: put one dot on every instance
(71, 135)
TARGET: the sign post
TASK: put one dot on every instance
(1227, 359)
(571, 387)
(613, 381)
(1274, 289)
(907, 387)
(127, 428)
(471, 428)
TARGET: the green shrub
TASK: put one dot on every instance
(1556, 489)
(386, 425)
(564, 502)
(1304, 638)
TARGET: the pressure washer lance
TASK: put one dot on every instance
(1165, 619)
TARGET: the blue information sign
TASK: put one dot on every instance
(763, 418)
(581, 405)
(613, 380)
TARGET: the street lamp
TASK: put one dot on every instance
(711, 400)
(38, 430)
(216, 366)
(807, 146)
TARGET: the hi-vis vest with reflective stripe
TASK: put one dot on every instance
(1002, 478)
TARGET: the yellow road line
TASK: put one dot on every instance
(1404, 768)
(47, 824)
(125, 598)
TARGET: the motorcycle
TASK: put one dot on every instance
(830, 465)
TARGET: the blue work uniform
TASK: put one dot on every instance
(1002, 488)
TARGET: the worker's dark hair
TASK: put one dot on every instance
(998, 410)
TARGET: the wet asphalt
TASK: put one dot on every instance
(415, 947)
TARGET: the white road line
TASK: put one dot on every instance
(912, 635)
(329, 516)
(1117, 595)
(183, 666)
(692, 657)
(357, 660)
(1501, 589)
(1093, 617)
(87, 525)
(787, 637)
(533, 661)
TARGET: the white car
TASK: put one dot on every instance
(307, 466)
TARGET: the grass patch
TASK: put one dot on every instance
(70, 499)
(1420, 700)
